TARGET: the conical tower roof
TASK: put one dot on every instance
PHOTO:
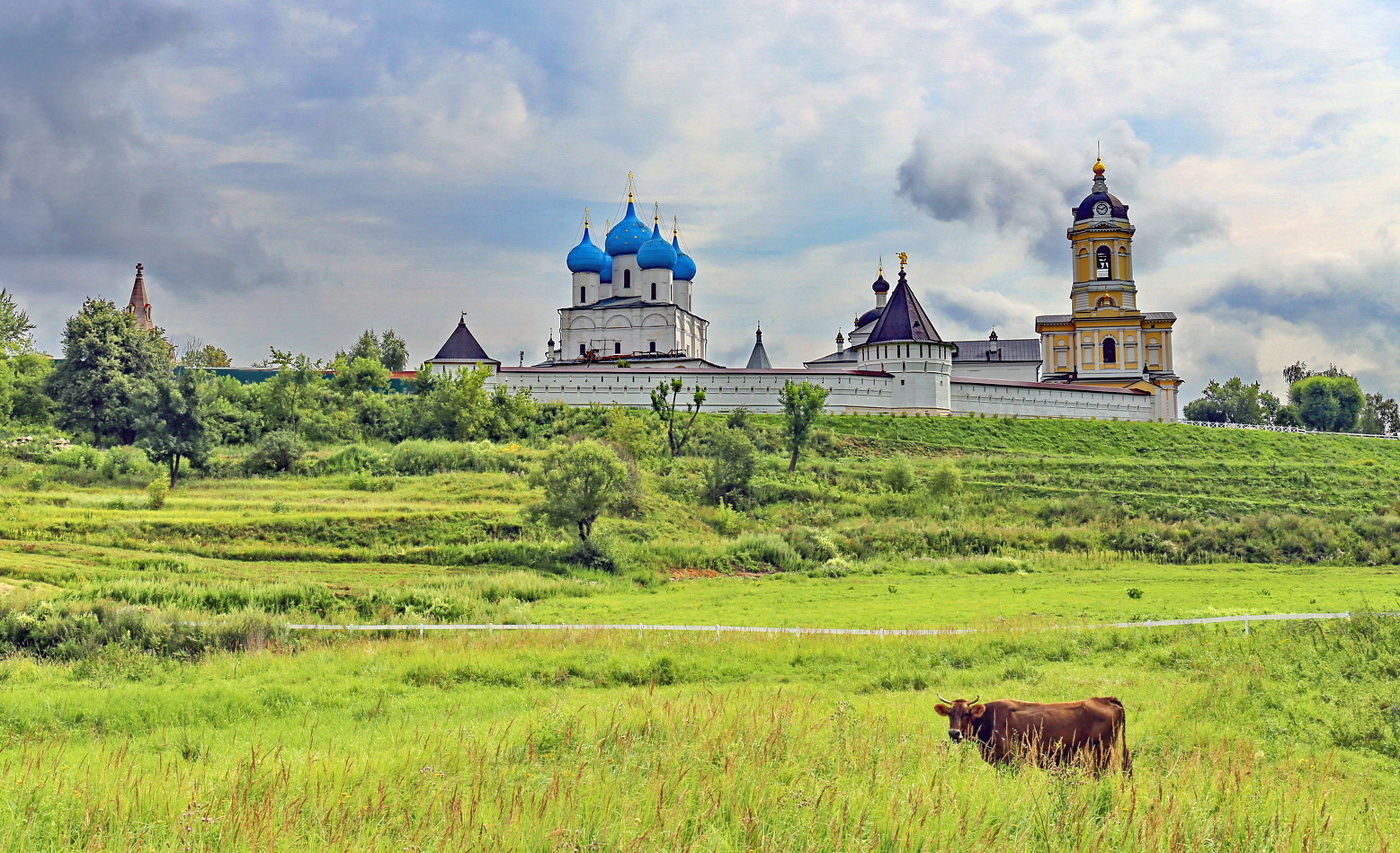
(461, 345)
(758, 359)
(139, 305)
(903, 318)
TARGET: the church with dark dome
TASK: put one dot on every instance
(631, 323)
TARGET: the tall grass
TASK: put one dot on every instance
(613, 742)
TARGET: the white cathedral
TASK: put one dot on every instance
(632, 323)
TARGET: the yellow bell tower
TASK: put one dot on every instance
(1106, 340)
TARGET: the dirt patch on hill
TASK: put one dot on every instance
(691, 574)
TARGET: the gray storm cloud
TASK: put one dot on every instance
(1022, 192)
(1007, 186)
(1351, 311)
(79, 177)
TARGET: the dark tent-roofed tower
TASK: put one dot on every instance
(903, 318)
(461, 348)
(758, 359)
(905, 342)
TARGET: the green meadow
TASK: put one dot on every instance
(152, 697)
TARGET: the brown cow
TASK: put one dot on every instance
(1044, 734)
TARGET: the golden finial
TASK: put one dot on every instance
(631, 187)
(585, 217)
(656, 213)
(675, 227)
(903, 259)
(881, 273)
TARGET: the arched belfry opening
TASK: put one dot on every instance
(1103, 263)
(1110, 351)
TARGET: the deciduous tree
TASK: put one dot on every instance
(581, 481)
(1327, 403)
(802, 405)
(171, 422)
(14, 327)
(678, 429)
(1233, 402)
(196, 353)
(107, 359)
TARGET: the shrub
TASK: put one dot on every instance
(731, 468)
(79, 457)
(366, 483)
(278, 451)
(945, 481)
(899, 475)
(156, 493)
(766, 550)
(125, 462)
(353, 459)
(51, 629)
(421, 457)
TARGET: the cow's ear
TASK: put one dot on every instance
(942, 709)
(976, 710)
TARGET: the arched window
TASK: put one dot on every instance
(1103, 264)
(617, 348)
(627, 279)
(1110, 351)
(1104, 302)
(651, 346)
(582, 350)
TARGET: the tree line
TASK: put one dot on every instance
(119, 384)
(1328, 400)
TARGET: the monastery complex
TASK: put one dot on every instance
(632, 323)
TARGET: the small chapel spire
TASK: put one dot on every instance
(758, 359)
(139, 305)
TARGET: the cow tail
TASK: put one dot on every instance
(1123, 735)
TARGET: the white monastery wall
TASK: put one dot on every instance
(1045, 400)
(755, 390)
(1021, 371)
(848, 391)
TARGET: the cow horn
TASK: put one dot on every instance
(974, 701)
(941, 699)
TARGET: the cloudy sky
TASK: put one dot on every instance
(291, 173)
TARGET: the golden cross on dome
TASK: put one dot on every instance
(585, 217)
(655, 212)
(631, 187)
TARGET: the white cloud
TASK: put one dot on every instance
(403, 165)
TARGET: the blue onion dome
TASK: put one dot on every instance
(628, 235)
(656, 253)
(685, 265)
(605, 275)
(880, 285)
(586, 257)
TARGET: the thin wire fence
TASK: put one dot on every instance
(1277, 428)
(718, 630)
